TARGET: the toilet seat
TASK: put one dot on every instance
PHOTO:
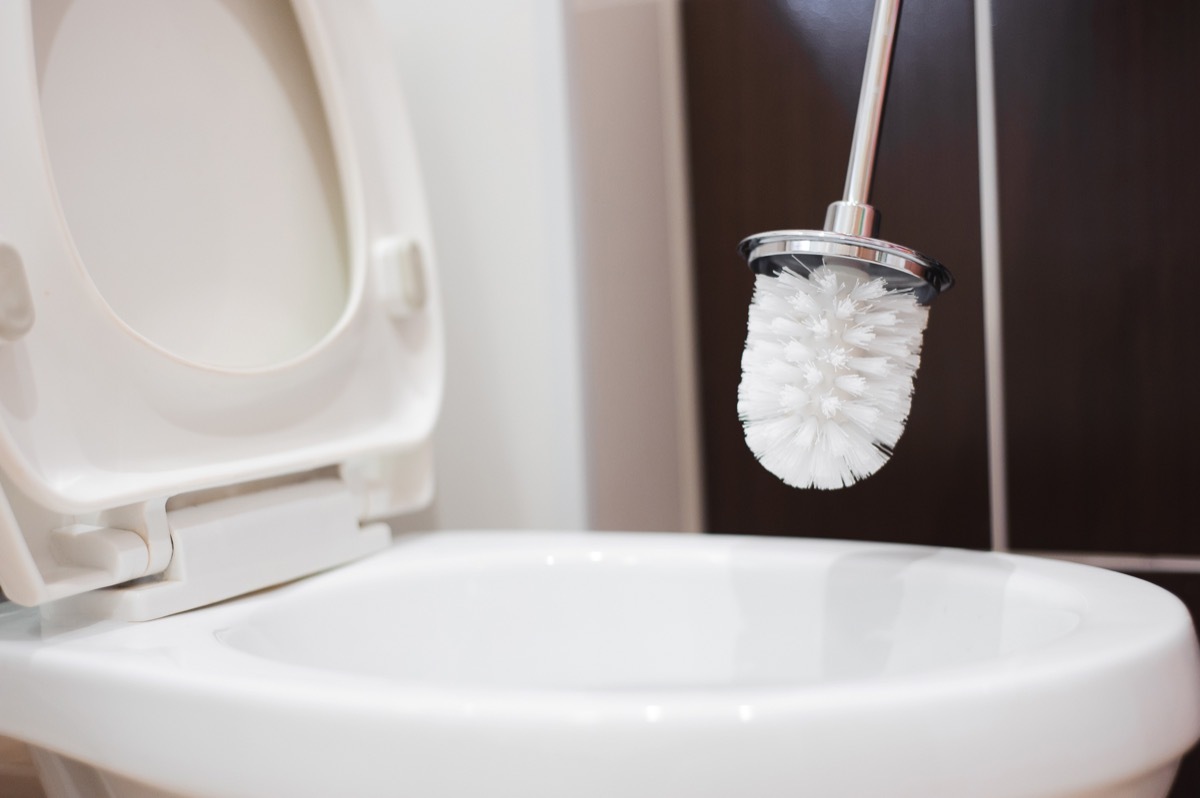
(121, 460)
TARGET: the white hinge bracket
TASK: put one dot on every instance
(236, 545)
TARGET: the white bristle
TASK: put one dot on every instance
(827, 375)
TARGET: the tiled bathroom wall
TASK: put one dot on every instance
(1098, 121)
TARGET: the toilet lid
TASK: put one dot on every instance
(215, 267)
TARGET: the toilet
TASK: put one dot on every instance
(221, 362)
(220, 338)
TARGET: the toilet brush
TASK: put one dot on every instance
(836, 321)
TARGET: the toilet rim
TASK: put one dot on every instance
(176, 677)
(1141, 616)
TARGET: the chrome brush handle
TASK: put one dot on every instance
(848, 239)
(852, 215)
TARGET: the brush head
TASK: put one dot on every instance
(827, 374)
(833, 345)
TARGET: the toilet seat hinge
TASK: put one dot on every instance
(247, 542)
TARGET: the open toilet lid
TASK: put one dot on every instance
(110, 402)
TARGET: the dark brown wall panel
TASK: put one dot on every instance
(1099, 117)
(772, 88)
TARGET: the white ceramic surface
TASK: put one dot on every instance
(113, 399)
(606, 664)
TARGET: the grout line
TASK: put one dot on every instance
(1153, 563)
(989, 234)
(687, 386)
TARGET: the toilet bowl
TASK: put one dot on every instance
(220, 365)
(645, 665)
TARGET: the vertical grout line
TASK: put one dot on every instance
(569, 11)
(989, 229)
(1129, 563)
(690, 450)
(552, 22)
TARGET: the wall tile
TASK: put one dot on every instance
(1098, 122)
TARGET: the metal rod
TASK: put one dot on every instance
(989, 236)
(870, 102)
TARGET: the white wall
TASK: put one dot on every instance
(643, 452)
(485, 83)
(553, 417)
